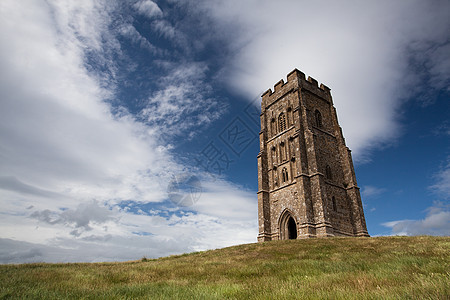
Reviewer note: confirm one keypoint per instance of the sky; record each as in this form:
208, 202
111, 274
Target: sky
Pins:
129, 129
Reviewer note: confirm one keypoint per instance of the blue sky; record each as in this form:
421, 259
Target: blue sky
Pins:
130, 128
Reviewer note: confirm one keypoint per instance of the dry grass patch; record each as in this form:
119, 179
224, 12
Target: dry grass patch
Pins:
342, 268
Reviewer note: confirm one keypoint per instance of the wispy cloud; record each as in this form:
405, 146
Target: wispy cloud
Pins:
148, 8
436, 222
443, 129
442, 178
184, 101
129, 31
370, 191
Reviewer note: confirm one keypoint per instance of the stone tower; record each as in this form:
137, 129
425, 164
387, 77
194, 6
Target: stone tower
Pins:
306, 180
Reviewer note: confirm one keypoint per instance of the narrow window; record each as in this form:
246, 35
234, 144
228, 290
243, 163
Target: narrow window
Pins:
274, 156
285, 175
275, 176
334, 203
328, 173
282, 122
273, 126
318, 117
289, 119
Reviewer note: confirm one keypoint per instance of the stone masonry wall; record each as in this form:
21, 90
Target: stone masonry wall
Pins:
305, 170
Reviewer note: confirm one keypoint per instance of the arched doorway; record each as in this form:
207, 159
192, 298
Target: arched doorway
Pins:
288, 227
292, 229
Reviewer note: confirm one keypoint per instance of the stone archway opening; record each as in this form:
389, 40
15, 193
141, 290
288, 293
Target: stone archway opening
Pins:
292, 229
288, 226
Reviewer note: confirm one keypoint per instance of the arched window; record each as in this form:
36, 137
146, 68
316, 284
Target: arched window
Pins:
285, 175
328, 173
334, 203
318, 117
282, 122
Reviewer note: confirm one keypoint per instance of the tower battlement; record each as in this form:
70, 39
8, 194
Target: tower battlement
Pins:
295, 79
306, 180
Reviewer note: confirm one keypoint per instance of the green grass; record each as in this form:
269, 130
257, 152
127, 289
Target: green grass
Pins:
333, 268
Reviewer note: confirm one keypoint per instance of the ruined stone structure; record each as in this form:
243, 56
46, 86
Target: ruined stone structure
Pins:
306, 180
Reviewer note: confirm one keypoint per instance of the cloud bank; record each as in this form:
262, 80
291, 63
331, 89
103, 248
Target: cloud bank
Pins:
372, 55
71, 154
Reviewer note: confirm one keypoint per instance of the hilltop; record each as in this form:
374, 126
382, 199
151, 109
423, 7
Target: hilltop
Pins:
345, 268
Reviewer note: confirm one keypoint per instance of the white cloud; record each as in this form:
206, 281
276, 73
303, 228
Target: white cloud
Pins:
184, 102
57, 136
165, 28
82, 218
442, 178
148, 8
60, 144
223, 216
163, 237
437, 222
369, 191
67, 161
224, 200
360, 50
130, 32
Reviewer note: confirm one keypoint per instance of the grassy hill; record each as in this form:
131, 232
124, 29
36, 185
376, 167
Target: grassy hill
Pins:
342, 268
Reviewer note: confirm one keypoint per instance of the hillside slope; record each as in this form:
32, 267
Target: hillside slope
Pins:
344, 268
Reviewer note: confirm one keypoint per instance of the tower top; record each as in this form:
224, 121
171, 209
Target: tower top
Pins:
295, 79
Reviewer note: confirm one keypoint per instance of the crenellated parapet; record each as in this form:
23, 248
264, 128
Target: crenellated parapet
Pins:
295, 80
